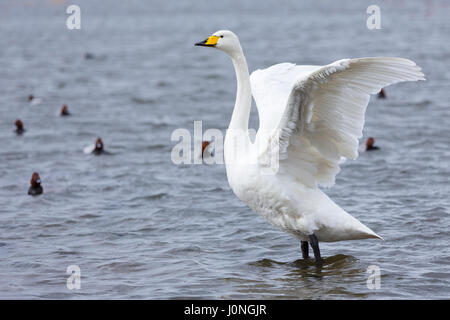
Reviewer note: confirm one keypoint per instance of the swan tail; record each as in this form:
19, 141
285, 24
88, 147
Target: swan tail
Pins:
361, 231
346, 227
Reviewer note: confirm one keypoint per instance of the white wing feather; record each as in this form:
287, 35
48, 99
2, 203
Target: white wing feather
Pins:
319, 111
271, 88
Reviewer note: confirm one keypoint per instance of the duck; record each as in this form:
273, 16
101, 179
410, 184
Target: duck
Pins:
205, 145
35, 188
370, 144
89, 56
19, 127
97, 148
65, 111
310, 120
33, 100
381, 94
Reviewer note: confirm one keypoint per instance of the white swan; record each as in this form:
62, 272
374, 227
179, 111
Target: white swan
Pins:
310, 119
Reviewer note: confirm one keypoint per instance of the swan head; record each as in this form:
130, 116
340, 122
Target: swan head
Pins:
224, 40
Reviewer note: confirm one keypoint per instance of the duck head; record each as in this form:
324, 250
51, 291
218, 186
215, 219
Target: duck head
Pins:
35, 180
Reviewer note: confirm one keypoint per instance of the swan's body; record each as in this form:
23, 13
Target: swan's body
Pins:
310, 120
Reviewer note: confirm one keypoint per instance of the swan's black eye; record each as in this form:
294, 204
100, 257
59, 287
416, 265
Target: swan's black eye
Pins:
221, 36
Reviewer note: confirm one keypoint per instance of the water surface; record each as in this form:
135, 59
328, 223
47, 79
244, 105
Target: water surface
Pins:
139, 226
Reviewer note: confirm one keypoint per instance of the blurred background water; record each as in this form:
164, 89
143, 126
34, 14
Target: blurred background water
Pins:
139, 226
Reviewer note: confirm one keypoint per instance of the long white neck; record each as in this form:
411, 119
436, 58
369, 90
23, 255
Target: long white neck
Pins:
241, 112
237, 140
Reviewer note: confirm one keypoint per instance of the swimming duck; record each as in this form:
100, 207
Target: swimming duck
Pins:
370, 144
205, 144
33, 100
65, 111
89, 56
35, 188
19, 127
98, 146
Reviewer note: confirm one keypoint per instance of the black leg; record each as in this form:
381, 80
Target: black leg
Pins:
315, 246
305, 249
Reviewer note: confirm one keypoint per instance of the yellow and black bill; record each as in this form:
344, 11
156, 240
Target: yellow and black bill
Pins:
210, 42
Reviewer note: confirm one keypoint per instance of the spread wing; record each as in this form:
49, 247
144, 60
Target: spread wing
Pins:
314, 116
271, 88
